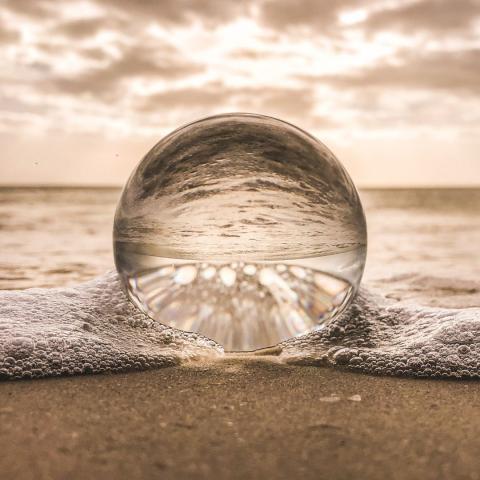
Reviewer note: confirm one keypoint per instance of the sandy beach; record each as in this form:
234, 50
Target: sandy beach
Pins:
239, 419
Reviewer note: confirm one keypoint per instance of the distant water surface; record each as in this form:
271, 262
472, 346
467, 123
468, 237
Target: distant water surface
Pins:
55, 236
423, 243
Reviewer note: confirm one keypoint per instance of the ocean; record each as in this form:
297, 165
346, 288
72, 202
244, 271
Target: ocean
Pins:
422, 243
422, 262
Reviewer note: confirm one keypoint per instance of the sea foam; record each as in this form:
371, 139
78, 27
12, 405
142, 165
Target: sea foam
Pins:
93, 328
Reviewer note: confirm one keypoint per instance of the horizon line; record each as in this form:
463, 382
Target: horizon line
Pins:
118, 186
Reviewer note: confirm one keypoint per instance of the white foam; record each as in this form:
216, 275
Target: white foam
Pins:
89, 328
93, 328
394, 338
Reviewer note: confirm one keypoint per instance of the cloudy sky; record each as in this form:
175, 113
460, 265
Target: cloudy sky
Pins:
392, 87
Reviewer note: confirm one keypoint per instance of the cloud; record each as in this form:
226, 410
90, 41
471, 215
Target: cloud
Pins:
434, 16
457, 72
322, 18
138, 62
138, 67
287, 14
167, 12
204, 97
285, 102
38, 9
87, 27
8, 36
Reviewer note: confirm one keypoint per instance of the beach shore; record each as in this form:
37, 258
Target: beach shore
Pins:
239, 418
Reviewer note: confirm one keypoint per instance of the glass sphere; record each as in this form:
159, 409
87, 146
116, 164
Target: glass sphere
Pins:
242, 228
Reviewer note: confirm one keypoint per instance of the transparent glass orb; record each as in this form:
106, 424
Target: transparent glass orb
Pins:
242, 228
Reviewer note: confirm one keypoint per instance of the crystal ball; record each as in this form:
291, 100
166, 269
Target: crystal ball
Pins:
243, 228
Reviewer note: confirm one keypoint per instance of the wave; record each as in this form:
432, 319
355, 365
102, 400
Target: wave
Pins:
93, 328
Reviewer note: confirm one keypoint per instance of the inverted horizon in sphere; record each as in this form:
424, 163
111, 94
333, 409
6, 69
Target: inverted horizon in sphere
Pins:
240, 188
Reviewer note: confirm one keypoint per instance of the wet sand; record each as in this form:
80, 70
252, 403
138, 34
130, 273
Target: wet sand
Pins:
239, 419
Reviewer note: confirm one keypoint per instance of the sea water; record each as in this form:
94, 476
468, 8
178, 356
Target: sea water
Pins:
423, 265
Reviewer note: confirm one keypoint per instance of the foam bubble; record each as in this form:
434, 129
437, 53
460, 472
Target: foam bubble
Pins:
394, 338
93, 328
90, 328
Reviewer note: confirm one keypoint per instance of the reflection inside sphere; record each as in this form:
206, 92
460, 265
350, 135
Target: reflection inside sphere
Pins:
243, 228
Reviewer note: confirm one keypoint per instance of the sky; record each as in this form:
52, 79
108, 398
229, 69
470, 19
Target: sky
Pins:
88, 87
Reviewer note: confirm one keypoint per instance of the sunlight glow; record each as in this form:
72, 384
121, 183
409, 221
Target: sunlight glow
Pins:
131, 71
